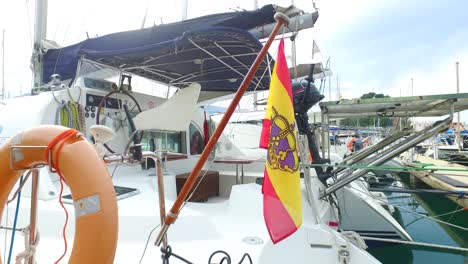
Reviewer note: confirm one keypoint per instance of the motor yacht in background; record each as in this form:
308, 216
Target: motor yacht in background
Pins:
359, 211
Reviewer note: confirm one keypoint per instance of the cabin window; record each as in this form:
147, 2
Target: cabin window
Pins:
162, 140
197, 142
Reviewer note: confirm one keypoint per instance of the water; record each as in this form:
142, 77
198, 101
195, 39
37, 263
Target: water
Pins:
426, 230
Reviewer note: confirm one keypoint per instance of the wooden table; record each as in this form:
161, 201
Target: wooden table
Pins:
238, 161
207, 186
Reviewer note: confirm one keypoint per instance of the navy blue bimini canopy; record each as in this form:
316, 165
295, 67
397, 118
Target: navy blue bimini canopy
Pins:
214, 50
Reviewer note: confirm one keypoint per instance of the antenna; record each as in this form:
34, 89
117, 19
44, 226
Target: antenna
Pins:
144, 17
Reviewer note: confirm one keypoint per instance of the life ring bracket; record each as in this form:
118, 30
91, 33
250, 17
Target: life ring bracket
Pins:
16, 156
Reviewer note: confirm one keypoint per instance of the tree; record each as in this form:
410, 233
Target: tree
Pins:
368, 121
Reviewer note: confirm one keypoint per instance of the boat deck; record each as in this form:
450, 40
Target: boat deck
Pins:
455, 181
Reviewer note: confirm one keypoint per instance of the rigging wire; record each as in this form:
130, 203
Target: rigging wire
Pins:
420, 244
211, 162
147, 242
115, 168
452, 213
409, 211
15, 221
390, 168
6, 230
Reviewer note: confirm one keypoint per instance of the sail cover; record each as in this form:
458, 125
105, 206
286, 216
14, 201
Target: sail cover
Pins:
215, 51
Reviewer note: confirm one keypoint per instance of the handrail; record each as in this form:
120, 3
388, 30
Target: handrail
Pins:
391, 153
372, 149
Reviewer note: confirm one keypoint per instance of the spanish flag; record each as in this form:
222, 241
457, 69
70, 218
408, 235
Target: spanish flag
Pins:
282, 208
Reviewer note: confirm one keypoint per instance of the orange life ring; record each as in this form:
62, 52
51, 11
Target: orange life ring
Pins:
86, 174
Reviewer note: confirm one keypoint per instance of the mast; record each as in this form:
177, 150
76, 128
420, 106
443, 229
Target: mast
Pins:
3, 65
184, 9
338, 91
412, 86
255, 94
329, 81
40, 31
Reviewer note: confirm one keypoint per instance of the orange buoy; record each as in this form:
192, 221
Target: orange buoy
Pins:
86, 174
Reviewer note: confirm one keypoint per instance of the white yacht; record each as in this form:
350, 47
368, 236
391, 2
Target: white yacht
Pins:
196, 59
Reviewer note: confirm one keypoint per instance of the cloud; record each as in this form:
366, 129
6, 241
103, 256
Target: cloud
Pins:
382, 46
439, 79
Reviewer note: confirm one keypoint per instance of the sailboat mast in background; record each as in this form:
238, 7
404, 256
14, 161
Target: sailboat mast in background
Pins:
255, 94
40, 31
184, 9
3, 65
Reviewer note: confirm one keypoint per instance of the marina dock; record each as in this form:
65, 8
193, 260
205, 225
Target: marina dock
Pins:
453, 181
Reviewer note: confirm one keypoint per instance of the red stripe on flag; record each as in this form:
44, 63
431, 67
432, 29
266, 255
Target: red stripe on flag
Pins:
265, 136
279, 224
282, 70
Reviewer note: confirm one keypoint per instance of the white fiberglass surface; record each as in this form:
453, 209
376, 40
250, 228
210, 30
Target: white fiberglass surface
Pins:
201, 229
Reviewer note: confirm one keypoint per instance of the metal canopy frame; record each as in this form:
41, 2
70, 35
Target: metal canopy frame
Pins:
222, 60
391, 152
413, 106
410, 106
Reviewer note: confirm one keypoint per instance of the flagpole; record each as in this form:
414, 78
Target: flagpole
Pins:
190, 182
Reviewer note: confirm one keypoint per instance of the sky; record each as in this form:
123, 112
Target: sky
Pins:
373, 45
390, 42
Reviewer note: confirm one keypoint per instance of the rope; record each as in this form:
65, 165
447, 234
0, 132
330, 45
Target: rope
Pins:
59, 142
167, 253
75, 116
82, 118
77, 110
355, 238
409, 211
58, 113
65, 116
412, 243
29, 249
342, 248
70, 114
227, 258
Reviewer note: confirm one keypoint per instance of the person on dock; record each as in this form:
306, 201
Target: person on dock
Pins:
355, 143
